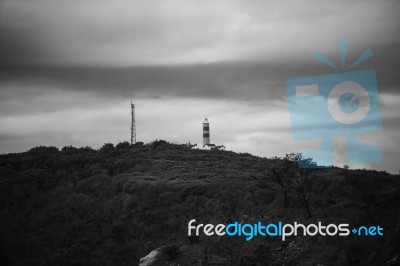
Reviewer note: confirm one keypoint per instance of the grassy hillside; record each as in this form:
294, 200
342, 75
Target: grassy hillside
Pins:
115, 205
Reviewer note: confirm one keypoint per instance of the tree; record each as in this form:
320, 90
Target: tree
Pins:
300, 182
123, 145
278, 173
292, 179
301, 188
281, 171
43, 150
107, 147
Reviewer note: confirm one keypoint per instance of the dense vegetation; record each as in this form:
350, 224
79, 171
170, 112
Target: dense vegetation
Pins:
112, 206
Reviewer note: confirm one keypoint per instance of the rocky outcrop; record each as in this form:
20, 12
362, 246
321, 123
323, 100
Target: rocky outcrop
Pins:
153, 258
164, 255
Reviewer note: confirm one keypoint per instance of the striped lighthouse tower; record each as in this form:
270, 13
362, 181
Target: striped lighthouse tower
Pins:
206, 132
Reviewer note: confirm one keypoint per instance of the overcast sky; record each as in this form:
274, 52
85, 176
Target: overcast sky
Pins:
69, 69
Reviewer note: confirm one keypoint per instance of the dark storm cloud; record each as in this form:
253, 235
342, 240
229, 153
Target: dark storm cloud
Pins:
226, 80
219, 80
126, 33
138, 49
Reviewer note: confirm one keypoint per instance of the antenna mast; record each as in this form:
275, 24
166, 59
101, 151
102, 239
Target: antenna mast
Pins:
133, 125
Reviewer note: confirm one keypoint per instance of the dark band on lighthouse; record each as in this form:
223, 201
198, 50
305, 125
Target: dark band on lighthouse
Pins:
206, 132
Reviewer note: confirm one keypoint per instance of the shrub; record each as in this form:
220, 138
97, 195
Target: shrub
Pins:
107, 147
123, 145
44, 150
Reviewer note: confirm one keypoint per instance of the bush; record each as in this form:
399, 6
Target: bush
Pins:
107, 147
123, 145
44, 150
158, 143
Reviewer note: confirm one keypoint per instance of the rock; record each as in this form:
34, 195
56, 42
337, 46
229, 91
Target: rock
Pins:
163, 255
152, 258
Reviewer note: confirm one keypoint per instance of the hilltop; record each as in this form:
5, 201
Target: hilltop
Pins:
112, 206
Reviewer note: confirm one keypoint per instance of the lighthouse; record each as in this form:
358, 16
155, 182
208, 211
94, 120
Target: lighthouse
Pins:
206, 132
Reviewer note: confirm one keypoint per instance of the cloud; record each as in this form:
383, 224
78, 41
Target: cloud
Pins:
221, 80
131, 33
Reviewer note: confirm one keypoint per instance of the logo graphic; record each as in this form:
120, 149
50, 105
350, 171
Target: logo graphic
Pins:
344, 104
279, 229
